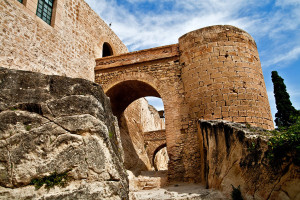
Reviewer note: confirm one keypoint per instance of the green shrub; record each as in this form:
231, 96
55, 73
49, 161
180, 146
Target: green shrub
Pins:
51, 181
110, 134
286, 142
28, 127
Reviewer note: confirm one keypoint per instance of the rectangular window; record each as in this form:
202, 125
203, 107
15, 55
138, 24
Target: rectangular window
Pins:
21, 1
44, 10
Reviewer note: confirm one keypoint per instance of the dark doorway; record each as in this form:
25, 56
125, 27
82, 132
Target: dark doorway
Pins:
107, 50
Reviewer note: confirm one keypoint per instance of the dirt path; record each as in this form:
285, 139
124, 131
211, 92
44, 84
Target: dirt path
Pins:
183, 191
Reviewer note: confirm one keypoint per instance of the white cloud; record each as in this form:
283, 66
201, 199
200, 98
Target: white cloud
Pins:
284, 57
287, 3
140, 30
276, 25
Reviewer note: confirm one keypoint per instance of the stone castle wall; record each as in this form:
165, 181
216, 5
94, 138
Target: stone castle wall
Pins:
68, 47
222, 76
212, 73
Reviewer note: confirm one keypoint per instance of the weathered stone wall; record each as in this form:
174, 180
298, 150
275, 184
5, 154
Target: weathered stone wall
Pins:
150, 118
222, 76
54, 124
152, 75
154, 141
68, 47
233, 154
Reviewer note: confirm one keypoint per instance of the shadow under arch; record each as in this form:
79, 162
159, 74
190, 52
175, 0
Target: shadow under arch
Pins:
154, 154
124, 93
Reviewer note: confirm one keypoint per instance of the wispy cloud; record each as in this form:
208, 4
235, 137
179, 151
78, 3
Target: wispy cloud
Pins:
285, 57
140, 28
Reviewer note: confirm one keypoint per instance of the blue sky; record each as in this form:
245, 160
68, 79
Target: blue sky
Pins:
275, 26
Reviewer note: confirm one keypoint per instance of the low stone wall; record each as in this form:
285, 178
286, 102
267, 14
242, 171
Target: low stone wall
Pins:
233, 154
53, 125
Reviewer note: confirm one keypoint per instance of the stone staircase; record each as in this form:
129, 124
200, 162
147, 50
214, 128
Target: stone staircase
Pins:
148, 180
152, 185
152, 179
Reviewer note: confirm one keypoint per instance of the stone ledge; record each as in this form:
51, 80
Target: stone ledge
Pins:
152, 54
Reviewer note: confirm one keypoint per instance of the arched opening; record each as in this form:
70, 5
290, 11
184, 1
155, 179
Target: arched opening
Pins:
106, 50
124, 93
138, 122
160, 158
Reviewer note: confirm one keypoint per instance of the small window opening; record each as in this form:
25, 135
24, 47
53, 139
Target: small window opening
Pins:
21, 1
107, 50
44, 10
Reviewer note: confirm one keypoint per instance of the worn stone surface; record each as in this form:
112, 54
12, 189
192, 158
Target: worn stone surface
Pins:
68, 47
56, 124
147, 180
233, 154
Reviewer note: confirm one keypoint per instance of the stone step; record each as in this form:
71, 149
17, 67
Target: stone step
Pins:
183, 191
148, 180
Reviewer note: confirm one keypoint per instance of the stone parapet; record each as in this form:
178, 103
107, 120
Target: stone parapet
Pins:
136, 57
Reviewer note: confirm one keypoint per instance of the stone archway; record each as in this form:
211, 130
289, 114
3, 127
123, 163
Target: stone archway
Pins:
159, 69
155, 152
124, 88
124, 93
154, 140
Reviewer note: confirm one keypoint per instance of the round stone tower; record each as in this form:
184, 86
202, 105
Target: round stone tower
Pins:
222, 76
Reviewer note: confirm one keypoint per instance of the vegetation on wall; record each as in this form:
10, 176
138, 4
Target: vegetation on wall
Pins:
54, 179
285, 140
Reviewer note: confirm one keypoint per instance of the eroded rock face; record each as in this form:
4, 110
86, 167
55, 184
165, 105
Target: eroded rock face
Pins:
233, 154
56, 124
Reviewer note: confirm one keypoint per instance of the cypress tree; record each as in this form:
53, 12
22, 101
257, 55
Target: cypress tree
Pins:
284, 106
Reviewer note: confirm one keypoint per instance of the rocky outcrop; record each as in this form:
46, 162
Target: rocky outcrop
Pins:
51, 126
236, 154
